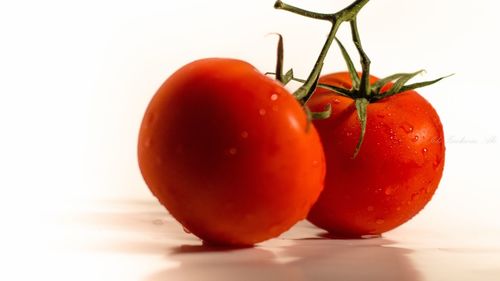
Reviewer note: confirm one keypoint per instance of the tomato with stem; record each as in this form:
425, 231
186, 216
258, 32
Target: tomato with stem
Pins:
396, 171
231, 153
384, 145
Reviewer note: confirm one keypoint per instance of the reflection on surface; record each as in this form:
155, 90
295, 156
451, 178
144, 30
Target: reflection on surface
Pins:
300, 254
320, 259
126, 238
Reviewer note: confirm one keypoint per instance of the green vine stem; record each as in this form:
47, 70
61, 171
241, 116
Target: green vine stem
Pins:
362, 91
364, 87
349, 13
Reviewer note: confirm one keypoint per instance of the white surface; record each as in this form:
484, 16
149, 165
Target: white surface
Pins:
136, 240
75, 78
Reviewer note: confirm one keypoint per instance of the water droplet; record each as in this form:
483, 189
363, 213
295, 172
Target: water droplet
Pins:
274, 97
348, 134
158, 160
414, 196
336, 101
244, 134
233, 151
415, 139
388, 191
262, 112
407, 128
436, 163
424, 151
149, 120
370, 208
379, 221
147, 142
186, 230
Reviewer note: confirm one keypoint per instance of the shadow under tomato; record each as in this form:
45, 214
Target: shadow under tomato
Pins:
301, 254
302, 259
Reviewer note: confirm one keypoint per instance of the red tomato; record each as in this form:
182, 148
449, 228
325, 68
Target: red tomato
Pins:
398, 167
225, 149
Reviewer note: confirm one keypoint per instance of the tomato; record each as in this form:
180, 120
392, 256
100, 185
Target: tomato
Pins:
397, 170
229, 153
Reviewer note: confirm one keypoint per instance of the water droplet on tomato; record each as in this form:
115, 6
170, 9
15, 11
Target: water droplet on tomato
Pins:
149, 120
262, 112
424, 151
370, 208
336, 101
407, 128
186, 230
147, 142
415, 139
348, 134
414, 196
436, 163
233, 151
379, 221
274, 97
158, 160
244, 134
388, 191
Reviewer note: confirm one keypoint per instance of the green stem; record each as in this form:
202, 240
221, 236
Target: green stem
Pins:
349, 13
364, 88
283, 6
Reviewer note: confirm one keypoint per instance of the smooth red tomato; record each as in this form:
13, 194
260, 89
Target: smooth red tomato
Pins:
398, 167
225, 149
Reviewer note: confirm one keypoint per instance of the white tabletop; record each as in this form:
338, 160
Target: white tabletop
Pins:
138, 240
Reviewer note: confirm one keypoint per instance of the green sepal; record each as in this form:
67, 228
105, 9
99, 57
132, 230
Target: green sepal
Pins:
421, 84
400, 83
279, 60
288, 76
338, 90
321, 115
377, 86
350, 66
361, 109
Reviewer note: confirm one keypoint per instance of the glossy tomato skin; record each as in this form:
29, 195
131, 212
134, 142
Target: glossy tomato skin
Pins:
396, 171
225, 149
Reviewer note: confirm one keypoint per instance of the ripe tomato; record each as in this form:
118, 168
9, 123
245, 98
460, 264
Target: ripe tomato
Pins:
398, 167
226, 150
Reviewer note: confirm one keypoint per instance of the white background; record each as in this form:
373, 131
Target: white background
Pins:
76, 76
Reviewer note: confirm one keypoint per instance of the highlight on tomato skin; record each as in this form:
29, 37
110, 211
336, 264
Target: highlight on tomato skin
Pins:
396, 172
226, 150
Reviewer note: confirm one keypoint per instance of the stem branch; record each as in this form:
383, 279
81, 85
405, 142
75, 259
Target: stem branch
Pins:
349, 13
364, 88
